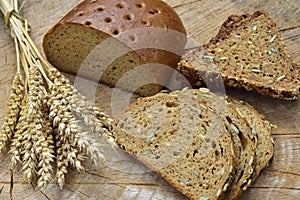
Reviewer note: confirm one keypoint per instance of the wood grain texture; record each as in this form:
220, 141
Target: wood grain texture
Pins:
122, 177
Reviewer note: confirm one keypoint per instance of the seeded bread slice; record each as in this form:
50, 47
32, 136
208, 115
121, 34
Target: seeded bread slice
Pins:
181, 137
261, 132
245, 152
247, 52
243, 143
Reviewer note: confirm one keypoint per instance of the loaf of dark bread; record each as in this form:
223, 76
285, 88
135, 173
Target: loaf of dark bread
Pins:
131, 44
248, 52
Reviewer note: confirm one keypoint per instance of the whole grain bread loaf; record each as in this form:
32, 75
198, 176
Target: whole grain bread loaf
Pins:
131, 44
248, 52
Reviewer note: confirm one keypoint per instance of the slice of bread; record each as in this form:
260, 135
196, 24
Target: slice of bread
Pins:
248, 52
243, 142
124, 43
261, 132
245, 151
181, 137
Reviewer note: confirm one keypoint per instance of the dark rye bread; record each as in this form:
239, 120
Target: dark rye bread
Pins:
248, 52
244, 152
261, 132
243, 143
181, 137
111, 41
244, 161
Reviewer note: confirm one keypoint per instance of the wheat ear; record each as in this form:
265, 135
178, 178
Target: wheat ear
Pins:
46, 157
65, 131
12, 110
98, 122
34, 133
16, 145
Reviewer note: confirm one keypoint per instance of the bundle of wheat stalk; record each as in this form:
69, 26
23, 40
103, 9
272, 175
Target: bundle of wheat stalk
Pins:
49, 126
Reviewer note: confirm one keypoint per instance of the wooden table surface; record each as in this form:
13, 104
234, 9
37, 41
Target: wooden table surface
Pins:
122, 177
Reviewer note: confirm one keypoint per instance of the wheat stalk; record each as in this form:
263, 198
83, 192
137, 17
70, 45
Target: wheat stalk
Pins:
47, 121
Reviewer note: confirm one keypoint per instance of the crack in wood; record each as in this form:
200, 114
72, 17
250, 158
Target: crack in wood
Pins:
281, 192
291, 135
80, 192
1, 189
11, 184
295, 55
285, 172
118, 184
185, 4
293, 37
95, 174
148, 184
295, 149
45, 195
289, 28
283, 188
121, 185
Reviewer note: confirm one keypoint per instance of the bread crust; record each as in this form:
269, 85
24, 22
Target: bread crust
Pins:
140, 25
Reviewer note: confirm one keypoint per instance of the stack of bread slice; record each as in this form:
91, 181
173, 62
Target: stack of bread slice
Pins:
206, 145
248, 52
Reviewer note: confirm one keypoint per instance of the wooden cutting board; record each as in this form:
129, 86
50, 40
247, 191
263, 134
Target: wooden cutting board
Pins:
122, 177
